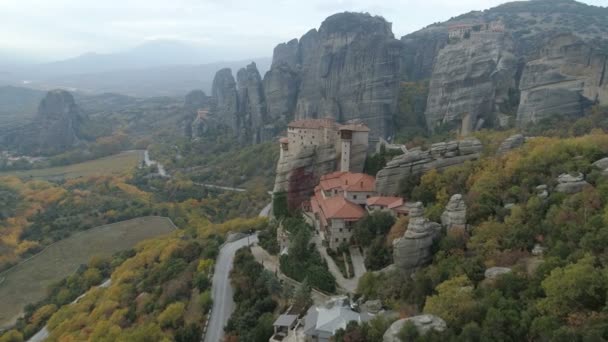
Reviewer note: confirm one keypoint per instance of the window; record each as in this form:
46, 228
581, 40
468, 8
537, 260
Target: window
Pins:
367, 196
340, 230
337, 239
344, 239
354, 196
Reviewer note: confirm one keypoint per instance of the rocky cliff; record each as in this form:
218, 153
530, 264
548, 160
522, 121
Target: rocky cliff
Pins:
416, 162
58, 120
252, 104
225, 99
194, 125
471, 79
568, 77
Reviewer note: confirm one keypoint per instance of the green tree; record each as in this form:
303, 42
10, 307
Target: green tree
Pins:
172, 315
453, 302
577, 286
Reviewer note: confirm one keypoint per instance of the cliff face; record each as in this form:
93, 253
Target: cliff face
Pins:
56, 125
568, 76
470, 80
226, 99
350, 70
252, 104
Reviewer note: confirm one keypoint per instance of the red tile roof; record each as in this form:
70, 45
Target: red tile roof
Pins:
313, 123
284, 140
382, 201
347, 181
336, 207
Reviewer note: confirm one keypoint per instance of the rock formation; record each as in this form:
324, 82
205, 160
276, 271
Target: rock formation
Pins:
571, 184
350, 70
416, 162
299, 173
413, 249
55, 127
281, 84
542, 191
195, 100
495, 272
511, 143
568, 77
423, 323
455, 214
601, 164
252, 104
470, 81
226, 99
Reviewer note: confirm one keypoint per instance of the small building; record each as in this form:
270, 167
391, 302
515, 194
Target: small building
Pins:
355, 187
335, 218
283, 327
394, 205
321, 323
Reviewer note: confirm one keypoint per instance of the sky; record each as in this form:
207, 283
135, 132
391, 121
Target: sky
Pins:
56, 29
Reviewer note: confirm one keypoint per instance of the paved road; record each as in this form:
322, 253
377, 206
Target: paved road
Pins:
223, 304
150, 162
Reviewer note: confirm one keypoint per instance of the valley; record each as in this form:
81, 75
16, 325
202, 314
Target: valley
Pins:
450, 184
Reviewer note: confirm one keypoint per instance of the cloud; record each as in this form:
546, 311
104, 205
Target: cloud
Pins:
62, 28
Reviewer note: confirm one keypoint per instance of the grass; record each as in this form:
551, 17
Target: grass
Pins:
115, 164
27, 282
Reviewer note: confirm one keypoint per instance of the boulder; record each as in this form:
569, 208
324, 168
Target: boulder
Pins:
571, 184
423, 323
542, 191
538, 250
495, 272
455, 214
413, 249
373, 306
601, 164
511, 143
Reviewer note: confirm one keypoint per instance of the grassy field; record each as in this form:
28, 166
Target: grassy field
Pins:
27, 282
115, 164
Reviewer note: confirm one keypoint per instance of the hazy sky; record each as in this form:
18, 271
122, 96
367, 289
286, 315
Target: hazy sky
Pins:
53, 29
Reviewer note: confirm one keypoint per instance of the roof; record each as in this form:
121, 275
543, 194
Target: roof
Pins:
285, 320
354, 127
284, 140
336, 207
313, 123
324, 322
384, 201
348, 181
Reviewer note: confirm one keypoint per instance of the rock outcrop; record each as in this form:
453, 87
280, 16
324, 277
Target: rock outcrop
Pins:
568, 77
252, 104
413, 249
495, 272
417, 161
56, 125
299, 173
455, 214
193, 124
423, 323
571, 184
226, 99
511, 143
470, 81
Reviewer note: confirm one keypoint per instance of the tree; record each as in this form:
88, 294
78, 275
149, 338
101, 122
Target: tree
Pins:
577, 286
453, 302
172, 315
378, 255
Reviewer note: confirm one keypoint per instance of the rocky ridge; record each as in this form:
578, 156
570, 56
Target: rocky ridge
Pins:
416, 162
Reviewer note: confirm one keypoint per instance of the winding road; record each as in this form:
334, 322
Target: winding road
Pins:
223, 304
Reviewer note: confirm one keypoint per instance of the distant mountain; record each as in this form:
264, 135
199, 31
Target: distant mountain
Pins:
150, 54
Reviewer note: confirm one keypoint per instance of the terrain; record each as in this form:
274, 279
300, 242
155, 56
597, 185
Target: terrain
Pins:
28, 281
112, 165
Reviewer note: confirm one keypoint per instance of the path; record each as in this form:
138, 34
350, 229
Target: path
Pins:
271, 263
266, 210
348, 285
150, 162
358, 261
223, 303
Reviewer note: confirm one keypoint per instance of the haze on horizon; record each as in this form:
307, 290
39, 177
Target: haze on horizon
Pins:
42, 30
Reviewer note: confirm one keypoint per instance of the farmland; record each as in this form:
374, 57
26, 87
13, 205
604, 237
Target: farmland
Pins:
111, 165
27, 282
